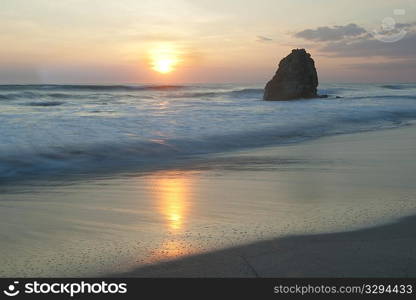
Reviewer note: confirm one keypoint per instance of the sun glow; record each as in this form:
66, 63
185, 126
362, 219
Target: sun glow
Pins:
164, 58
173, 194
164, 65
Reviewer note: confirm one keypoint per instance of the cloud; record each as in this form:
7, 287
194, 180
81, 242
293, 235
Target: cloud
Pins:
334, 33
263, 39
368, 46
354, 41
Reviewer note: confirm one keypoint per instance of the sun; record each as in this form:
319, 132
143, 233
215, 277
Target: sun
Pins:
164, 65
164, 58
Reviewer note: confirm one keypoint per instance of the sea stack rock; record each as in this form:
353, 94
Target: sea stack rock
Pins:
295, 78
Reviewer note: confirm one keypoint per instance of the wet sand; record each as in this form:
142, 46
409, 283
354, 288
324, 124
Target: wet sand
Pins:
383, 251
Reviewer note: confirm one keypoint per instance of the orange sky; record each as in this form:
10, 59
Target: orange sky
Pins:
178, 41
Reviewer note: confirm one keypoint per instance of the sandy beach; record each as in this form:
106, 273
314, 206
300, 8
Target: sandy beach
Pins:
381, 251
387, 250
314, 208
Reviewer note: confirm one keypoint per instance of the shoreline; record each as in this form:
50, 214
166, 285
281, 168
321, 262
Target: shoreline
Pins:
181, 162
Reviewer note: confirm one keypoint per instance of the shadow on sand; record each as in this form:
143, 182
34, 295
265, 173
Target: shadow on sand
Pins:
382, 251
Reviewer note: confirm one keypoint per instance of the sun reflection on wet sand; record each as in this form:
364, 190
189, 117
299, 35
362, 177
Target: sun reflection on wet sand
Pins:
173, 191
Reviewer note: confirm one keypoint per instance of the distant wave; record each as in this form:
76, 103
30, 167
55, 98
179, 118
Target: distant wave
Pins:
383, 97
398, 86
122, 87
233, 93
60, 95
24, 94
28, 89
20, 94
94, 87
12, 96
45, 103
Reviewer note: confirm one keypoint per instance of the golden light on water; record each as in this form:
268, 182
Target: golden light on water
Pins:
173, 193
164, 58
174, 202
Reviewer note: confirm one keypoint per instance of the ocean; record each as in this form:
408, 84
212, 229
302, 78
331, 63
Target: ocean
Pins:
82, 130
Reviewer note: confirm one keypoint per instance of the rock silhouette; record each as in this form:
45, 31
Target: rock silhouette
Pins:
295, 78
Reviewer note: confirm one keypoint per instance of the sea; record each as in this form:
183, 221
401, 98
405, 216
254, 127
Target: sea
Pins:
85, 130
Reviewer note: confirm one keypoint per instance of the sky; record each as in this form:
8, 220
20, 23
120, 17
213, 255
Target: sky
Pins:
203, 41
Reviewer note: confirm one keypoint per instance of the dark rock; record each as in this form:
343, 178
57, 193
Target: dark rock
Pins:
295, 78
